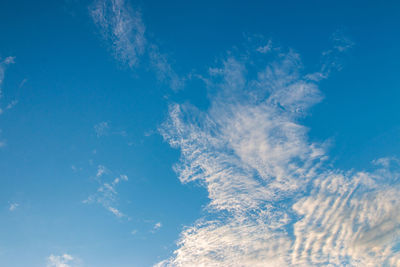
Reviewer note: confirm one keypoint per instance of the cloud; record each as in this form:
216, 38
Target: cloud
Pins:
64, 260
101, 170
13, 206
332, 58
273, 199
3, 65
265, 48
12, 104
122, 27
106, 194
348, 220
163, 69
101, 128
156, 227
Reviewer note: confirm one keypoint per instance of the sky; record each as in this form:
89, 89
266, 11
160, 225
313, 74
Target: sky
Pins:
199, 133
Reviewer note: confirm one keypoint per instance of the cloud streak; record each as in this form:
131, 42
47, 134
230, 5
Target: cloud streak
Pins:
3, 65
273, 200
107, 194
123, 27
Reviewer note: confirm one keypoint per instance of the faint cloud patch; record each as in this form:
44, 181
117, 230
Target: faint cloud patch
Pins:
101, 128
107, 194
164, 71
265, 48
123, 27
3, 65
64, 260
101, 170
13, 206
157, 226
332, 58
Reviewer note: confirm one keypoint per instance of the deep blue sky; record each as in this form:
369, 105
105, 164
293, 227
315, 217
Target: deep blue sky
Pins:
66, 80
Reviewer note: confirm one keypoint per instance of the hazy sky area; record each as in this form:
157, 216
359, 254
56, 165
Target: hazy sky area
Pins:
199, 133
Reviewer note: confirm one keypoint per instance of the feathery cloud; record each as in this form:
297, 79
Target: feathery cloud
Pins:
273, 202
122, 27
64, 260
106, 194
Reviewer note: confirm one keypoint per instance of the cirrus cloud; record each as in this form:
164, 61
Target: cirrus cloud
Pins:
273, 200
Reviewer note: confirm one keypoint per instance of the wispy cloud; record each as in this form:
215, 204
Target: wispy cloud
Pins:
273, 200
101, 170
123, 27
104, 129
265, 48
331, 59
101, 128
107, 194
3, 65
163, 69
13, 206
64, 260
156, 227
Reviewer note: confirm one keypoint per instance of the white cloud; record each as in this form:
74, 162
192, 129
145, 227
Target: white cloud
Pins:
101, 170
64, 260
157, 227
106, 194
348, 220
273, 202
123, 27
3, 66
331, 58
116, 212
164, 70
101, 128
13, 206
265, 48
12, 104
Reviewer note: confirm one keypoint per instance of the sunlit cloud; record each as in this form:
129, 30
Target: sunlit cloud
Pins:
273, 200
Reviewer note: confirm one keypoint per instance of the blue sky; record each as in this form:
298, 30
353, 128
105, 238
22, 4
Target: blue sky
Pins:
199, 133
